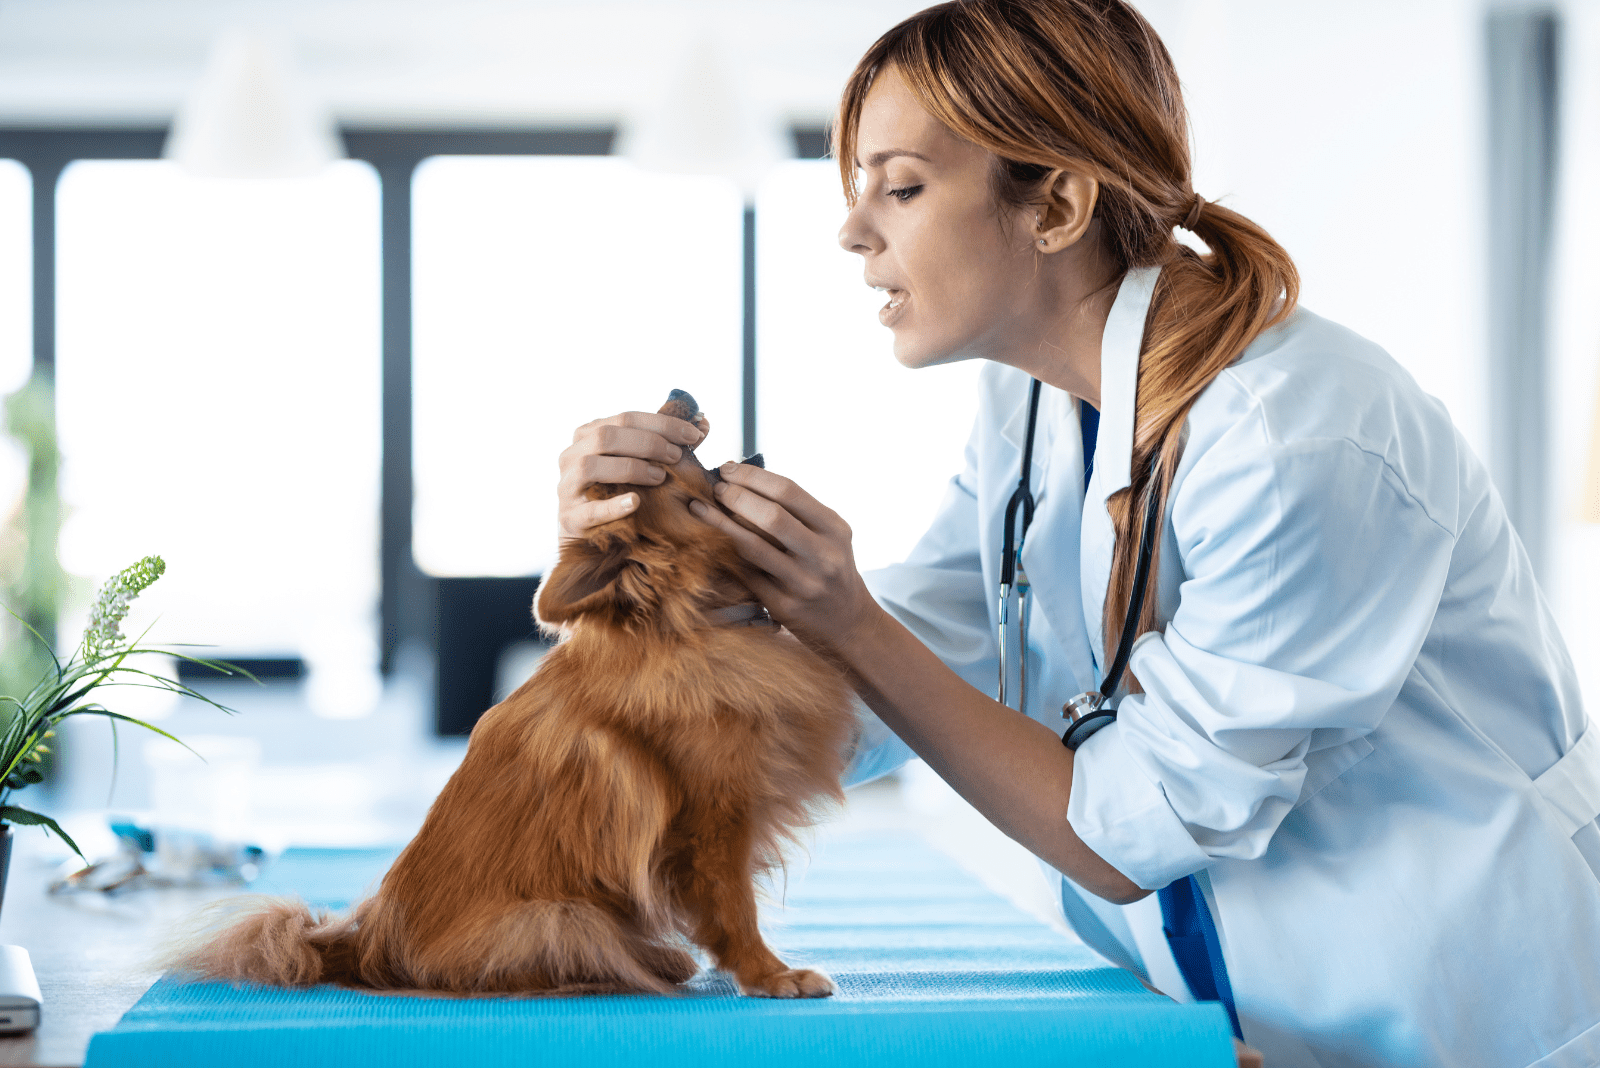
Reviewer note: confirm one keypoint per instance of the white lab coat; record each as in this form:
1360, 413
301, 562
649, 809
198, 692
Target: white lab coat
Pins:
1359, 721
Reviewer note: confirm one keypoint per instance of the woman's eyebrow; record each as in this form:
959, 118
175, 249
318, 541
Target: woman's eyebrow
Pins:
878, 159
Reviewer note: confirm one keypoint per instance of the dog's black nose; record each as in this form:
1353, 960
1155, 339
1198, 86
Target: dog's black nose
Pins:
684, 397
755, 460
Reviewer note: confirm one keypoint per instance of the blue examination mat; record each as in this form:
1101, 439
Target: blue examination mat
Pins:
932, 968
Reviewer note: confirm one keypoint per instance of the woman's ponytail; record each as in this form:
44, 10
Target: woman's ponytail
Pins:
1205, 310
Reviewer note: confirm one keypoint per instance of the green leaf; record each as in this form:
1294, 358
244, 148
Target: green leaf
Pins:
17, 754
35, 819
106, 712
73, 698
28, 775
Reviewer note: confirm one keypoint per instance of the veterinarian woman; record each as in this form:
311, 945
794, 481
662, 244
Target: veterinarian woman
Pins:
1348, 714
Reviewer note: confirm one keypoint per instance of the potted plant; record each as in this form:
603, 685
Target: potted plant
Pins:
74, 688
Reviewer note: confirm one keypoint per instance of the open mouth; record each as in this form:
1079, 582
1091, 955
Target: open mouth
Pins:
890, 312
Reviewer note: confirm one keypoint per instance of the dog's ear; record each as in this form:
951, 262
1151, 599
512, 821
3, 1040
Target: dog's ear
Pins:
583, 580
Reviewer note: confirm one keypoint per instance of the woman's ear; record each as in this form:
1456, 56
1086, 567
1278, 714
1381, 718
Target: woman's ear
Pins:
1065, 211
583, 580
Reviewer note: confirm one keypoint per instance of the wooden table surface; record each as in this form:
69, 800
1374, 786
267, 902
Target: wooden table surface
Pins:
91, 952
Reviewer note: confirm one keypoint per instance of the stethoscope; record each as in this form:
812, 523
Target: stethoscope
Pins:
1090, 711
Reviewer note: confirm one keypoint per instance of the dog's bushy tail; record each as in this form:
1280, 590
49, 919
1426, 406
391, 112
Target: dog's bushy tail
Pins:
269, 940
535, 947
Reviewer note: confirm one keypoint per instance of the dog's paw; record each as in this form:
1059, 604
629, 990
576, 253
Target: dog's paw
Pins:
789, 983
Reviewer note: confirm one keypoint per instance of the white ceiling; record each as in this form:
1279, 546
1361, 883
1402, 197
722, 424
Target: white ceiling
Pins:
427, 61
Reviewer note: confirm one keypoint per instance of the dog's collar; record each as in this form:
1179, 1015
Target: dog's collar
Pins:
739, 615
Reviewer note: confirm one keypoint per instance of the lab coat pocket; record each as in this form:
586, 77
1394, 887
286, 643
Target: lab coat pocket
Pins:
1325, 765
1570, 794
1572, 786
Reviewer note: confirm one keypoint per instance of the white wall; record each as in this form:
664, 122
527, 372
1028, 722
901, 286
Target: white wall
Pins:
430, 61
1354, 133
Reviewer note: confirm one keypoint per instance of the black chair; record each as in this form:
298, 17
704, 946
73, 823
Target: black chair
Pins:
479, 619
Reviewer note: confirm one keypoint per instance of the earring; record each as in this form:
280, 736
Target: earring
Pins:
1042, 241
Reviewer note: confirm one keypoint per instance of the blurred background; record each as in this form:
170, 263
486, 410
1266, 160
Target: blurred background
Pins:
307, 295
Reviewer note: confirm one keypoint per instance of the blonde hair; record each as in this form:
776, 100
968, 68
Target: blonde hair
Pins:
1087, 86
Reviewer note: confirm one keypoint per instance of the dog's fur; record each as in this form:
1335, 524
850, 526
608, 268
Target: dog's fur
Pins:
622, 800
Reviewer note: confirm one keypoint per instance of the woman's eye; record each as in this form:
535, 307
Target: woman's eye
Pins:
905, 193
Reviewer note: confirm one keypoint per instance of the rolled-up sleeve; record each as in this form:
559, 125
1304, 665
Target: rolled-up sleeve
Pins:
1310, 578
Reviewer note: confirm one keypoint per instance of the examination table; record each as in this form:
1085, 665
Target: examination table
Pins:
932, 969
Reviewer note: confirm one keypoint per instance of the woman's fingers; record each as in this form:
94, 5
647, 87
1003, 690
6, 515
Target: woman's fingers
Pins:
788, 494
609, 439
813, 561
630, 448
585, 471
752, 546
765, 513
663, 426
589, 514
809, 581
651, 439
822, 547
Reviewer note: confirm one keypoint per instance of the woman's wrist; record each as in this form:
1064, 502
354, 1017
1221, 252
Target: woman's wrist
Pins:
851, 636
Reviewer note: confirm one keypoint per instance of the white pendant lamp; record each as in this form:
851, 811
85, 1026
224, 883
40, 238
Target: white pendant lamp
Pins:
704, 121
251, 116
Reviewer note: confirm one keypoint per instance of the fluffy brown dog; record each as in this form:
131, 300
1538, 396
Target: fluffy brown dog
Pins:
624, 799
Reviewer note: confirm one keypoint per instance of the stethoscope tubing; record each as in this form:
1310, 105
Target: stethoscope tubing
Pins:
1098, 714
1092, 709
1011, 554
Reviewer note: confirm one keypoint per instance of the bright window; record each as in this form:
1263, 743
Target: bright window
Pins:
551, 291
871, 440
218, 377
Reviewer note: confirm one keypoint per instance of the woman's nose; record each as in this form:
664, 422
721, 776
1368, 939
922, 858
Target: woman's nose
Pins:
856, 235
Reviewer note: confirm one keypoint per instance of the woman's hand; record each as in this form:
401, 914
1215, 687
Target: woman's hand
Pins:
811, 584
623, 449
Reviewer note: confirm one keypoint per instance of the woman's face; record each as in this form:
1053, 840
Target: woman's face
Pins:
959, 271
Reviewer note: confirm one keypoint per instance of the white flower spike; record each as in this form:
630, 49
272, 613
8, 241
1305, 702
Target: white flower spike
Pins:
104, 633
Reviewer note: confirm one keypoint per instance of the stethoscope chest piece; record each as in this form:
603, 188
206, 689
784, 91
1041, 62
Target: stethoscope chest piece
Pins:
1087, 714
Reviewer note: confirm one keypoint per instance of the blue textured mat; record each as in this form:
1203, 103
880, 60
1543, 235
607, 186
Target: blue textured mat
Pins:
932, 969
